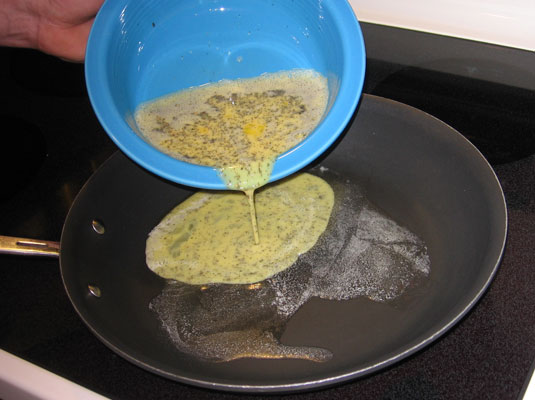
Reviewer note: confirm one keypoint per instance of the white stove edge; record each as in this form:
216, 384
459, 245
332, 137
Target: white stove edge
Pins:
21, 380
529, 393
508, 23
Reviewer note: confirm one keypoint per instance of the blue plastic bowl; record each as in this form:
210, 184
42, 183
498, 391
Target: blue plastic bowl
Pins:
142, 49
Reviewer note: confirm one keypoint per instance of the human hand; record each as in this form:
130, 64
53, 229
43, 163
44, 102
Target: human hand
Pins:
57, 27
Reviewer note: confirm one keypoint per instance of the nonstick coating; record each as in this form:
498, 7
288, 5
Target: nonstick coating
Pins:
420, 171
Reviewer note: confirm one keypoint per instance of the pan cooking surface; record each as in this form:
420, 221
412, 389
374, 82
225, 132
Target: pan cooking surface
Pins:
418, 170
362, 253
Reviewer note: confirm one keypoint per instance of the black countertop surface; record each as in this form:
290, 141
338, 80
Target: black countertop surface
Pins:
52, 143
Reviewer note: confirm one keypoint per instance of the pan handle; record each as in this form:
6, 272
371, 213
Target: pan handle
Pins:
29, 247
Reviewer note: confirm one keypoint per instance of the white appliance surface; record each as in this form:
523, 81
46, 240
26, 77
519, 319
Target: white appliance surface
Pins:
21, 380
503, 22
529, 394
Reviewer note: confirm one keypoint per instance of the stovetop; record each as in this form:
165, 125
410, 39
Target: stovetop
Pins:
56, 142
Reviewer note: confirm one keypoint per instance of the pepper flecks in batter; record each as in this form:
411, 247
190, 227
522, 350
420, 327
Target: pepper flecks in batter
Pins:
239, 127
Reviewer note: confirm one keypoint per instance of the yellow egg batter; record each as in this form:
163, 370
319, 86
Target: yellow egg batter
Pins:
207, 238
237, 126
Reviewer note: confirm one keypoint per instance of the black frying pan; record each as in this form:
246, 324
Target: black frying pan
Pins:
421, 172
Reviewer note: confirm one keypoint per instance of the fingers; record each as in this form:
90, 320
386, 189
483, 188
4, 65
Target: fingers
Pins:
67, 43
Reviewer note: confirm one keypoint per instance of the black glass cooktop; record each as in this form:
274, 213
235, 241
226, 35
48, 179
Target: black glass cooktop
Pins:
52, 143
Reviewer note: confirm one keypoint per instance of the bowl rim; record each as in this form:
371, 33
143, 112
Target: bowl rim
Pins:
165, 166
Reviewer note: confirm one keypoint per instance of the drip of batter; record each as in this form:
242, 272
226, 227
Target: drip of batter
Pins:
252, 210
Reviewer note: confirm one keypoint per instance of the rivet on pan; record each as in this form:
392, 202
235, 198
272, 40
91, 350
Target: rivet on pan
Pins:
98, 226
94, 290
